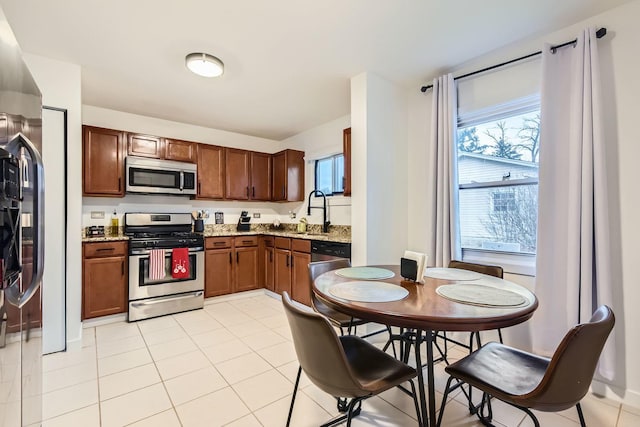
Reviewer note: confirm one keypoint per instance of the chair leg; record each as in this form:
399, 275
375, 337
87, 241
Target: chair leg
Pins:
444, 401
293, 398
353, 413
415, 402
500, 336
580, 415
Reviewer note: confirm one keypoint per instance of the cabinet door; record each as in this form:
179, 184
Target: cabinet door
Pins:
181, 151
282, 271
145, 146
346, 150
237, 174
102, 162
104, 286
246, 269
278, 187
210, 172
218, 279
268, 268
260, 176
288, 176
300, 283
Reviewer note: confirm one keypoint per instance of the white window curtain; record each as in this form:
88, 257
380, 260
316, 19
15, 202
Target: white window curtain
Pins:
573, 264
445, 244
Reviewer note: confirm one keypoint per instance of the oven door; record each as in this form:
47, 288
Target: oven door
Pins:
141, 286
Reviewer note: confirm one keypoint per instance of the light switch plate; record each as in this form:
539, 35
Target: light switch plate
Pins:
256, 214
97, 214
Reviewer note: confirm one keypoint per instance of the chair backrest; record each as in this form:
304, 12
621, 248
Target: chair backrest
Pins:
569, 374
489, 270
320, 353
319, 267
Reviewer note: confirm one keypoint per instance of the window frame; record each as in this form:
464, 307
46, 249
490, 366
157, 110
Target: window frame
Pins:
334, 178
521, 263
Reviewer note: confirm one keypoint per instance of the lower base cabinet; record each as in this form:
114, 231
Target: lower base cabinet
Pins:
231, 265
291, 268
104, 279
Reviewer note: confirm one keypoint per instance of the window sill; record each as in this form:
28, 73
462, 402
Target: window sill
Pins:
513, 263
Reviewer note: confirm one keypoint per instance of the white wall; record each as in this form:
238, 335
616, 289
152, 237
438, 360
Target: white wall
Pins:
620, 67
379, 177
60, 84
322, 141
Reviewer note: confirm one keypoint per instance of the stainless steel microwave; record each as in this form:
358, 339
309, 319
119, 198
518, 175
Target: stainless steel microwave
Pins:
156, 176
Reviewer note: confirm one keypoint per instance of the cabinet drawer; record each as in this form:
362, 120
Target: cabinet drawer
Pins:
268, 241
283, 243
105, 249
218, 242
246, 241
301, 245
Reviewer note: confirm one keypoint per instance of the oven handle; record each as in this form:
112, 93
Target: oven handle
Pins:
160, 300
146, 252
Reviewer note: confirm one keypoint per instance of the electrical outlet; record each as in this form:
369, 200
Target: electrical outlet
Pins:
256, 214
97, 214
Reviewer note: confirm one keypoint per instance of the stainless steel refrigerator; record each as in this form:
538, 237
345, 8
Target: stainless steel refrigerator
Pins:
22, 243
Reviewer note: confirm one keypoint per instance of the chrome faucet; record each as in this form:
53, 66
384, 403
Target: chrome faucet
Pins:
325, 223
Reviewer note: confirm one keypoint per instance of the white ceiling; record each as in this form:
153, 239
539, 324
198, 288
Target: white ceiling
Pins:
288, 62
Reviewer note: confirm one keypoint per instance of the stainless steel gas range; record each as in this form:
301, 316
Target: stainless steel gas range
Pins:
166, 264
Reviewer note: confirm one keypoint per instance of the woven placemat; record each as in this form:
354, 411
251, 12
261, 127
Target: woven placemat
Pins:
365, 291
486, 296
365, 273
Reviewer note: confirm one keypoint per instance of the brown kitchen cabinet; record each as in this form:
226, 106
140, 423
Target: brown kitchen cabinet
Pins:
260, 176
346, 150
102, 162
237, 174
288, 176
180, 151
145, 146
104, 279
268, 263
210, 160
291, 268
231, 265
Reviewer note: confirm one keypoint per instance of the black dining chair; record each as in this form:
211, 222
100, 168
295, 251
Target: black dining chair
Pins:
489, 270
344, 366
527, 381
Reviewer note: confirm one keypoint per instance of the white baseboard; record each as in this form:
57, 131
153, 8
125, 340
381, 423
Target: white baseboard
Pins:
624, 396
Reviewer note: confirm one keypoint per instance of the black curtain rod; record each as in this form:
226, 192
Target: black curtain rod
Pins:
599, 34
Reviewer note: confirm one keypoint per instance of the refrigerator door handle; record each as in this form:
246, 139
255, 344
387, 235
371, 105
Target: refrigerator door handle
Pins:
13, 294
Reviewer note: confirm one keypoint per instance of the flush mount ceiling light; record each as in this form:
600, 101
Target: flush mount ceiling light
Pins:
204, 64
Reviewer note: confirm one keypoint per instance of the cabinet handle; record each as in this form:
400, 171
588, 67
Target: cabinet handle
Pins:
237, 257
122, 267
247, 242
247, 192
105, 249
218, 243
230, 259
287, 260
119, 184
271, 256
253, 191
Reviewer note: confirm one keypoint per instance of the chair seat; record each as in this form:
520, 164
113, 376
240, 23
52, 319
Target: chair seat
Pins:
502, 371
336, 318
375, 370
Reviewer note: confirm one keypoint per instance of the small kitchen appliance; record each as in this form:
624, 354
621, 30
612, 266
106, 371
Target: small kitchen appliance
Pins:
243, 222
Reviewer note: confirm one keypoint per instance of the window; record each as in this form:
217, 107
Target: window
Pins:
329, 176
498, 152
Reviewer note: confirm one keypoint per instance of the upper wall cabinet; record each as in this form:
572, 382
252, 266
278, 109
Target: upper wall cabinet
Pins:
346, 150
237, 174
288, 176
260, 176
182, 151
102, 162
210, 159
145, 146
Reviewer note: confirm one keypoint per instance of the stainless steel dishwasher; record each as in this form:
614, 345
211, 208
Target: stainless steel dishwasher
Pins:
322, 250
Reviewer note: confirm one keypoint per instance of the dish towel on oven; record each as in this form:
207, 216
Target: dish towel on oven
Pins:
156, 264
180, 263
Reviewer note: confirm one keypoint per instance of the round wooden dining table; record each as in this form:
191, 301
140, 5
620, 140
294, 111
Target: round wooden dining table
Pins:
424, 310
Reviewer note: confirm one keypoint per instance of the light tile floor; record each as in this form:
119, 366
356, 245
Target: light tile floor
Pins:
232, 364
